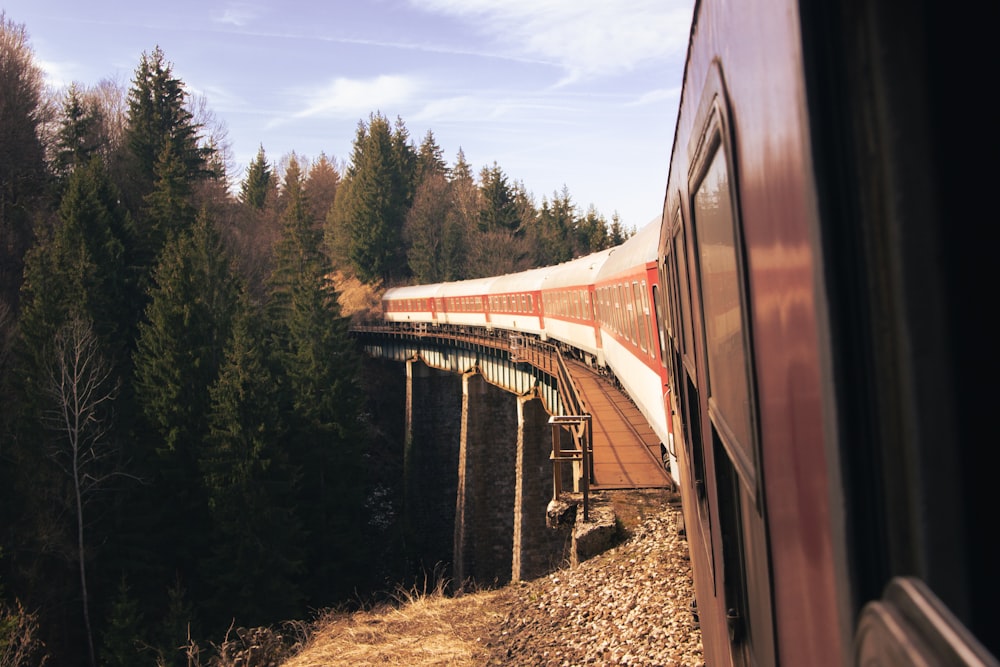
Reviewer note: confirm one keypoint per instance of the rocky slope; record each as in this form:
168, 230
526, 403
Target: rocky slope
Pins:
626, 606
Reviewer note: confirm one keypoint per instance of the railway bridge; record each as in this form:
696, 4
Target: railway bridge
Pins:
505, 440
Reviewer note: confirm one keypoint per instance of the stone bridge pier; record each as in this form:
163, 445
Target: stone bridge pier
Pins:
476, 463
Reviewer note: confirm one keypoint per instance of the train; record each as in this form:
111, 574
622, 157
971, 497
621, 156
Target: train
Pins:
597, 308
806, 319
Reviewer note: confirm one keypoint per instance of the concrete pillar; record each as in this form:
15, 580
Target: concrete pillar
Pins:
537, 549
430, 462
485, 490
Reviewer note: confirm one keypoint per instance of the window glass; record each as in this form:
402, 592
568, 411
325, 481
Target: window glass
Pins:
684, 287
728, 379
641, 316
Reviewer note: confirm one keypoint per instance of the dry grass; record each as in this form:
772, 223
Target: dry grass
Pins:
427, 628
420, 631
357, 300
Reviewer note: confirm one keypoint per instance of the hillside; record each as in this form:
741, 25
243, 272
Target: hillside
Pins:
626, 606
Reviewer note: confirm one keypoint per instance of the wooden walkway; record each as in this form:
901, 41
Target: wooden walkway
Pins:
626, 450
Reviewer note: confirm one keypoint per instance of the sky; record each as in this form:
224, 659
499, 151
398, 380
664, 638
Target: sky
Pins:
580, 94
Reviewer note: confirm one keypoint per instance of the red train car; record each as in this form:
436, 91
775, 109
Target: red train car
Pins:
832, 482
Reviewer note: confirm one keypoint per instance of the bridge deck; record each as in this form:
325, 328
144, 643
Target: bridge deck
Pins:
626, 450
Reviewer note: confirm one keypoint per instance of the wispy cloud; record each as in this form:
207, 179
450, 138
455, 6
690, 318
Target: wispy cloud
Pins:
657, 95
588, 38
57, 74
238, 14
350, 97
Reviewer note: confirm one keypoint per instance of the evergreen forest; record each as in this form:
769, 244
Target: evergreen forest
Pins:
187, 443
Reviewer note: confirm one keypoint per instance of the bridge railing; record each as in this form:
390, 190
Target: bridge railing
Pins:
546, 357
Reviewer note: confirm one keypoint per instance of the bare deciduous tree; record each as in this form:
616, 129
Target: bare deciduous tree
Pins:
19, 642
81, 388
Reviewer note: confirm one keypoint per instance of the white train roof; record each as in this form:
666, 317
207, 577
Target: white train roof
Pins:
412, 291
579, 271
637, 250
605, 264
466, 287
524, 281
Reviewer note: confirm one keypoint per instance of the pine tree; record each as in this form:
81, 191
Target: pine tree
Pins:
553, 231
165, 154
617, 233
297, 252
370, 214
257, 184
169, 209
464, 223
250, 484
122, 640
180, 344
158, 114
498, 243
430, 159
499, 210
592, 232
405, 162
79, 268
78, 138
179, 353
321, 188
318, 372
22, 168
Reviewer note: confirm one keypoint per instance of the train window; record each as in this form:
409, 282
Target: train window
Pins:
684, 287
622, 313
630, 314
640, 320
617, 297
659, 311
633, 298
646, 321
719, 267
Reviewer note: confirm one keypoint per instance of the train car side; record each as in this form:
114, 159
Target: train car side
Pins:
515, 302
568, 298
413, 304
804, 260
